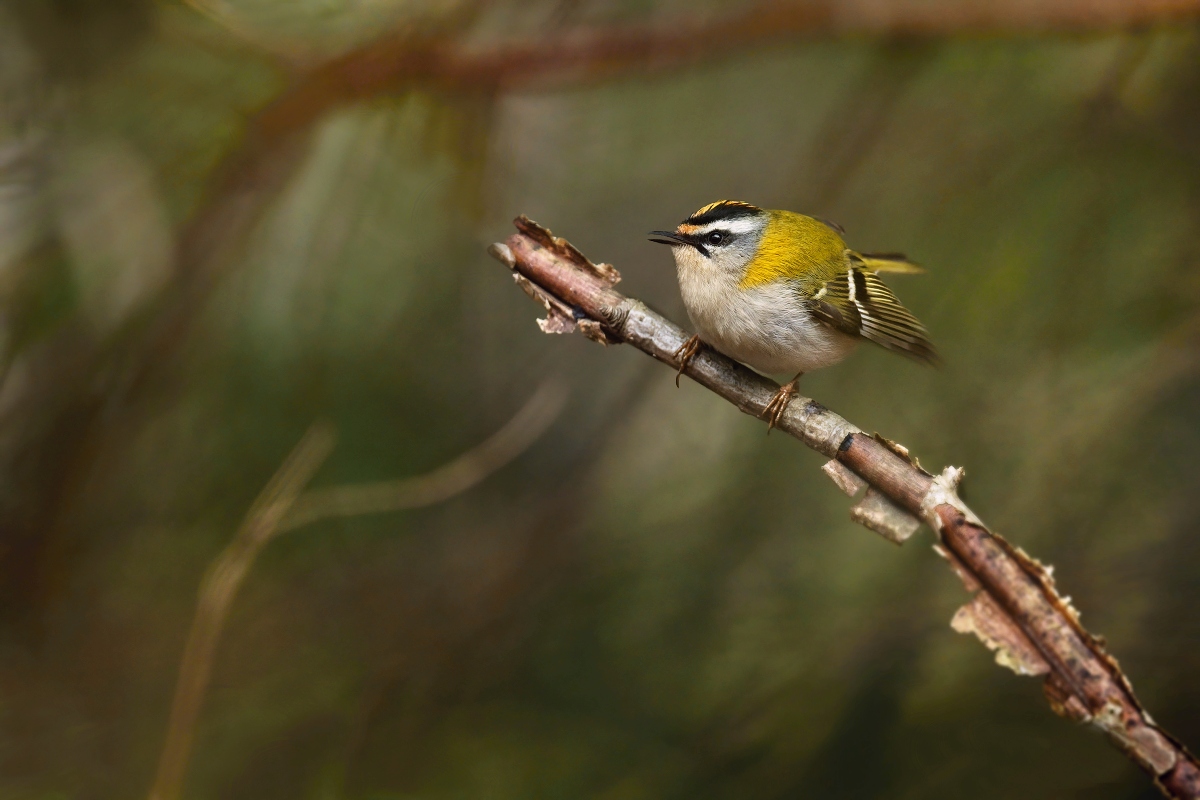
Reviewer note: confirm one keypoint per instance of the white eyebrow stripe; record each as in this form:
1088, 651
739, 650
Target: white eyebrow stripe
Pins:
739, 225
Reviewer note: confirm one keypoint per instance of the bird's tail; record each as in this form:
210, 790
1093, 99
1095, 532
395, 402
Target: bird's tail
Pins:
896, 263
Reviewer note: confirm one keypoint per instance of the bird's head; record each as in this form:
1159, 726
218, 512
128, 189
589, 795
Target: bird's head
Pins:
724, 236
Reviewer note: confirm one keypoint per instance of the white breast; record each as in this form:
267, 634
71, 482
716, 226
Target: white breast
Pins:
766, 327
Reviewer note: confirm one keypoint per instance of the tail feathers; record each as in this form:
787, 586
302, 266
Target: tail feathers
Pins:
896, 263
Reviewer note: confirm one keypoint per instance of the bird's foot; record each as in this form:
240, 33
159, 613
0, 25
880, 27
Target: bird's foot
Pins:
779, 403
686, 352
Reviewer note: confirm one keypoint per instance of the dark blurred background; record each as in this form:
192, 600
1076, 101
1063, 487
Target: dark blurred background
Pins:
223, 220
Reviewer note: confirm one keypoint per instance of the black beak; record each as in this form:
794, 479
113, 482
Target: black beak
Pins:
673, 239
668, 237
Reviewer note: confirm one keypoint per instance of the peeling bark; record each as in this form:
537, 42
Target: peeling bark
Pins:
1016, 610
876, 512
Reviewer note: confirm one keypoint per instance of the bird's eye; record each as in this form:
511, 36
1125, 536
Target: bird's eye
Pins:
716, 237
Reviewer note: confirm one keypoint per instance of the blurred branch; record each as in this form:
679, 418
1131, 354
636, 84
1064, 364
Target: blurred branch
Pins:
394, 62
442, 483
590, 54
225, 15
1016, 610
281, 507
217, 590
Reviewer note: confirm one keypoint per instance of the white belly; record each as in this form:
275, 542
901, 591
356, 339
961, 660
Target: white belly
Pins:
766, 327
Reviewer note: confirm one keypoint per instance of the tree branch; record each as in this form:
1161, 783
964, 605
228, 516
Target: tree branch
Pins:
1016, 609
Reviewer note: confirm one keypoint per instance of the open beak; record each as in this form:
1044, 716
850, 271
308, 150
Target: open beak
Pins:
668, 237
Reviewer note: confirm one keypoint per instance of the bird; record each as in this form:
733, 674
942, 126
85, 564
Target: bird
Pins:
782, 293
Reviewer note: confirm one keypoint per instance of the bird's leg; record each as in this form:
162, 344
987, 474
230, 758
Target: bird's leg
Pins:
686, 352
779, 402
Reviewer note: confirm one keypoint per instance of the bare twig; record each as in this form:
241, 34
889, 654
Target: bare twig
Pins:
281, 507
1016, 609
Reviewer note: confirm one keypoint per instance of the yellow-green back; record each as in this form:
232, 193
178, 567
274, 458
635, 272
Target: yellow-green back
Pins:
798, 248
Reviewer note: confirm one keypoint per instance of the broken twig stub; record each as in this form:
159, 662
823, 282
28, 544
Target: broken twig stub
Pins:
843, 477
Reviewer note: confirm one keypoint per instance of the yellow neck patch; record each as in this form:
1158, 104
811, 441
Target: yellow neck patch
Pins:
796, 248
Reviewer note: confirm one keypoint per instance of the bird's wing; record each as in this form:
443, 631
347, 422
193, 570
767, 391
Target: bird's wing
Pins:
857, 302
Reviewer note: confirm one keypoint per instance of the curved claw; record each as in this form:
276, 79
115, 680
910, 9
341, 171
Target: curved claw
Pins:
779, 403
686, 352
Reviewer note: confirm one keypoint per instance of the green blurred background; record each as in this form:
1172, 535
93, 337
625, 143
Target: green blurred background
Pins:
655, 600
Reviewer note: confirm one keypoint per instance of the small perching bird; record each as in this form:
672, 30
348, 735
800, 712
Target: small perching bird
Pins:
782, 293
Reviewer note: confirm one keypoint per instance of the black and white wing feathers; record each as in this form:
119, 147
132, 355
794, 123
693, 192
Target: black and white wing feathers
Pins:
857, 302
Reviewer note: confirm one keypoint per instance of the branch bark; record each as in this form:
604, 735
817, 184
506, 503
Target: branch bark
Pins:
1016, 609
